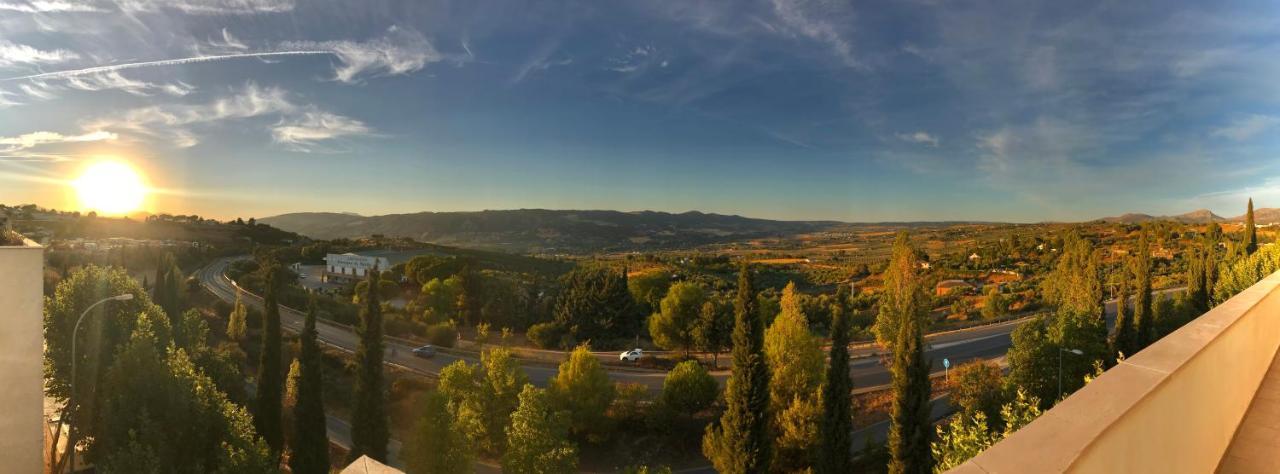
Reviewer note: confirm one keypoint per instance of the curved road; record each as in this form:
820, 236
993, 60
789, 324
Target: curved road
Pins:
983, 342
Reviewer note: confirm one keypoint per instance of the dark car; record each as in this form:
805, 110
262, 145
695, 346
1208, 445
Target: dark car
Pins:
425, 351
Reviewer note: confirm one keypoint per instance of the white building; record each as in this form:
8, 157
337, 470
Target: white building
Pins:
349, 266
21, 363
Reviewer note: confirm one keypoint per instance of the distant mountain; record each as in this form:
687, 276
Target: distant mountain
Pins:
1261, 215
541, 230
1198, 216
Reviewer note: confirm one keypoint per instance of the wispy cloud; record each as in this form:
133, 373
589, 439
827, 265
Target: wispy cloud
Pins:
399, 51
48, 6
34, 139
307, 131
162, 62
300, 127
634, 59
1245, 128
920, 137
209, 7
814, 20
20, 54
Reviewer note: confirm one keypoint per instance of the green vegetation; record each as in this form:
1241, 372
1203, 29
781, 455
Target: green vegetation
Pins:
740, 442
797, 366
310, 447
268, 412
835, 437
595, 305
689, 389
438, 443
538, 437
675, 326
369, 430
909, 428
583, 390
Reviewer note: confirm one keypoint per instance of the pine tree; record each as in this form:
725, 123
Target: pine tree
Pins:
369, 430
1250, 231
837, 417
268, 415
311, 442
1143, 320
1123, 342
909, 428
741, 442
237, 321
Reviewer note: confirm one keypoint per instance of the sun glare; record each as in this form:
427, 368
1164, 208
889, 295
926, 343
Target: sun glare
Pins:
110, 187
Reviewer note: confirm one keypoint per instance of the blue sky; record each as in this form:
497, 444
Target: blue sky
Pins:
866, 111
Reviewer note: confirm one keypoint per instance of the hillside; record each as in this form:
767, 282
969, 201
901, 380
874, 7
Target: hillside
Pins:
540, 230
1198, 216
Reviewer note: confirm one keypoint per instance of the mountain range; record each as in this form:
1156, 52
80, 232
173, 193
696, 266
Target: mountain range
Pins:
1264, 215
586, 231
548, 231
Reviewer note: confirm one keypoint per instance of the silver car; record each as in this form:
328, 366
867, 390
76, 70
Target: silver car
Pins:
425, 352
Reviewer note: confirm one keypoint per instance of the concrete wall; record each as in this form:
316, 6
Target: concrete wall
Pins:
21, 365
1171, 408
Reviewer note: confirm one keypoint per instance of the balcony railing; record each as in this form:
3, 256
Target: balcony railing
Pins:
1173, 407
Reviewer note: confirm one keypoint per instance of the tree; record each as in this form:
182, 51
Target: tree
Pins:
1250, 231
437, 444
1143, 320
594, 303
538, 437
689, 389
582, 388
268, 415
977, 388
740, 443
902, 289
482, 397
796, 366
168, 284
1197, 295
387, 290
909, 427
369, 430
237, 321
103, 332
649, 288
1125, 339
714, 329
970, 433
837, 405
995, 305
310, 440
674, 327
1243, 273
161, 414
1074, 286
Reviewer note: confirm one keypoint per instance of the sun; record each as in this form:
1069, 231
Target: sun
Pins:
110, 187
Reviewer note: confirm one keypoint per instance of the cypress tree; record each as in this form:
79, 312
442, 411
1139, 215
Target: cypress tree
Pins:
909, 423
1197, 292
742, 443
311, 442
1250, 231
1143, 320
837, 421
369, 430
1123, 342
1211, 257
267, 416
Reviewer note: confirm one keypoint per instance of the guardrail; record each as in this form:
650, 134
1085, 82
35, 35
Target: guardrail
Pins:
1171, 408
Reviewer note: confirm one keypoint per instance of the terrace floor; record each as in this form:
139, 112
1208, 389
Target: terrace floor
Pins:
1256, 445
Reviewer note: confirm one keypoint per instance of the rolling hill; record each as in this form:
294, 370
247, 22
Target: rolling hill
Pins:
550, 231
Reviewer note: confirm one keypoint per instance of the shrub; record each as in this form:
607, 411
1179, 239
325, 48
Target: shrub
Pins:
546, 335
689, 389
442, 334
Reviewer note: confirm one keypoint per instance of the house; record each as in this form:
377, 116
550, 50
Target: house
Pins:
946, 287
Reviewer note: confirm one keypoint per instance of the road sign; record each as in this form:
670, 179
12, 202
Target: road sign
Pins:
946, 363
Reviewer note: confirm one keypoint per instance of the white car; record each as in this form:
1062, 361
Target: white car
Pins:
631, 355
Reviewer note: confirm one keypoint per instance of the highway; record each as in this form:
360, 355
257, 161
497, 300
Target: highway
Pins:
960, 346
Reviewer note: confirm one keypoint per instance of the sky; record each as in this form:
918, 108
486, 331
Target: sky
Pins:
858, 111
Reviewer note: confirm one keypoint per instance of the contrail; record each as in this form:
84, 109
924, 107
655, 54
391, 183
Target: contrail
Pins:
162, 62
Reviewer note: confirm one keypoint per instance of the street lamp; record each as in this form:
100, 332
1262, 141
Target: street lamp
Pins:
71, 464
1062, 351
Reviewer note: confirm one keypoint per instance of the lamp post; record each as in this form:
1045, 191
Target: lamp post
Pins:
1062, 351
71, 464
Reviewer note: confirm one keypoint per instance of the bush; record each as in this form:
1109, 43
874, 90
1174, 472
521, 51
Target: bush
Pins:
442, 334
399, 326
546, 335
657, 362
689, 389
